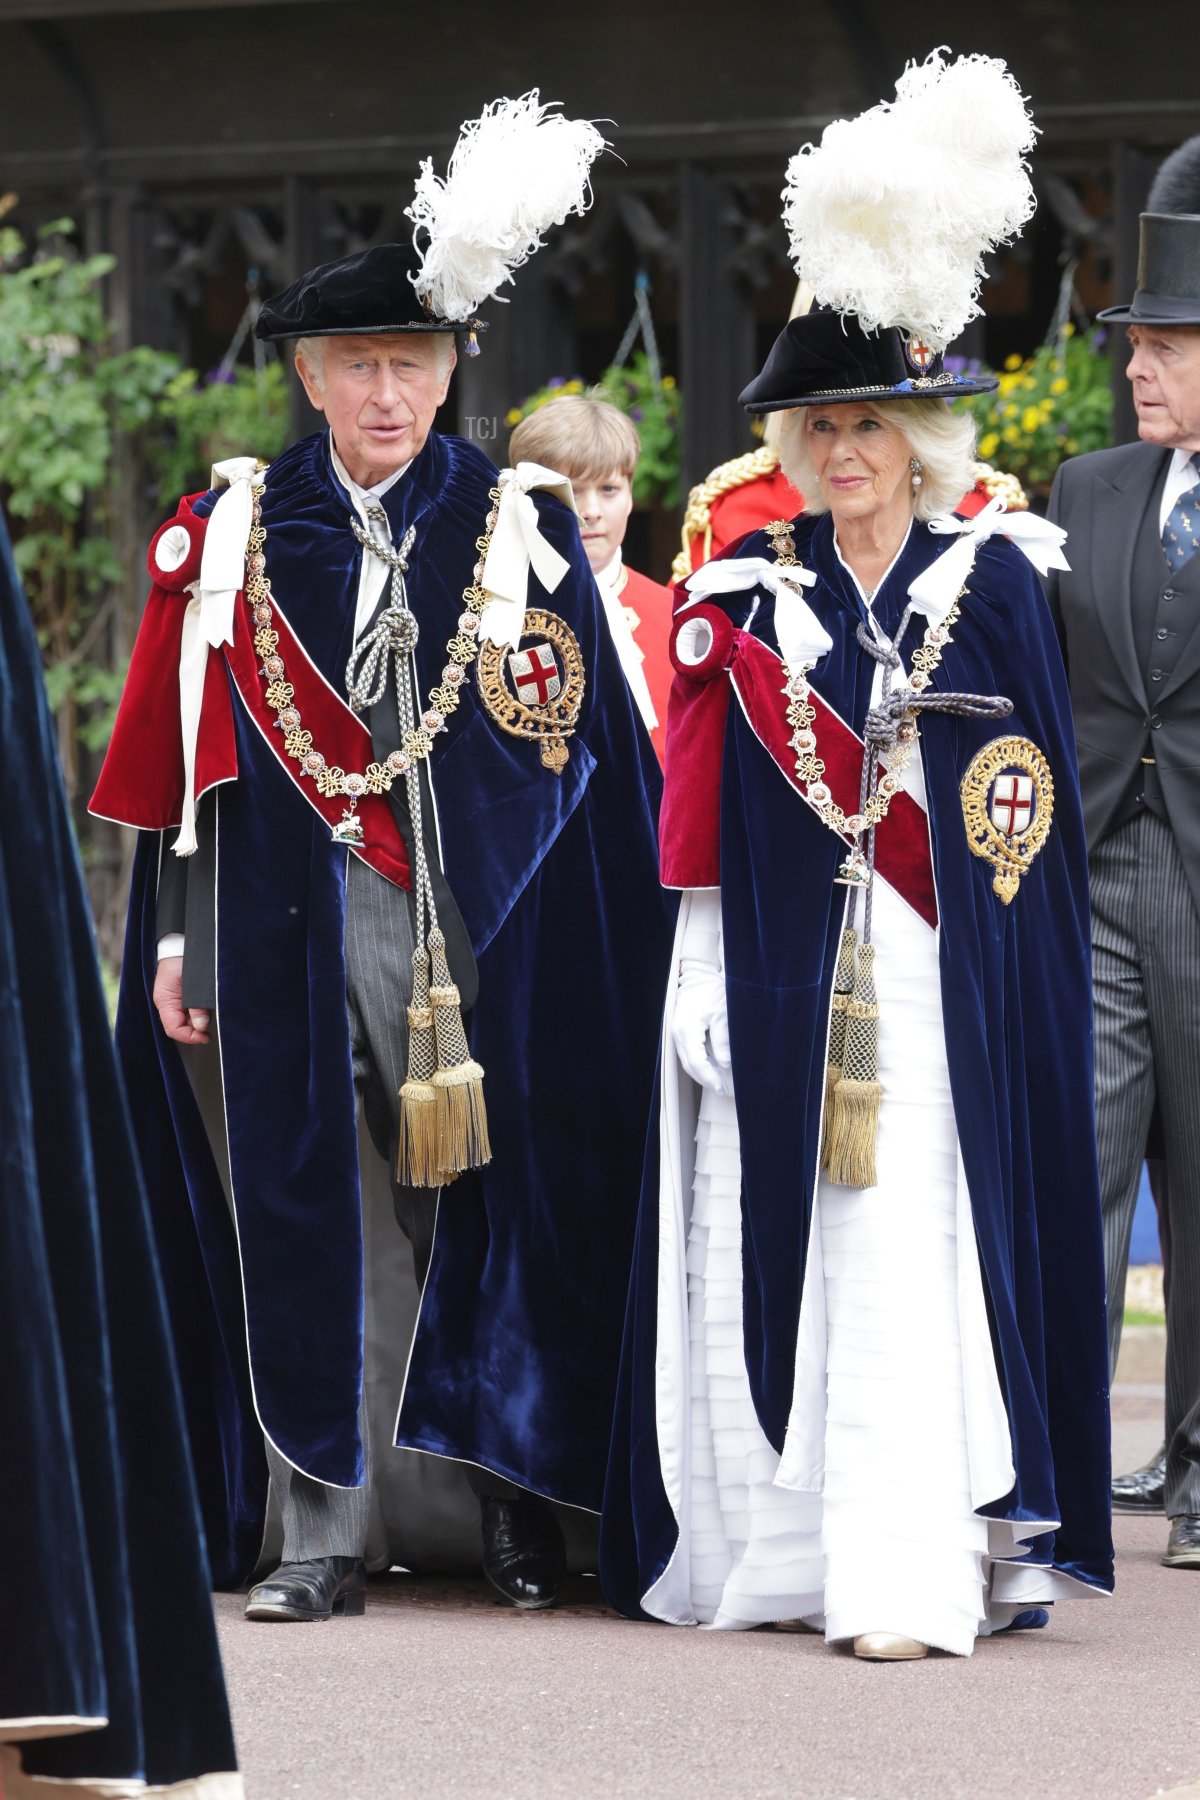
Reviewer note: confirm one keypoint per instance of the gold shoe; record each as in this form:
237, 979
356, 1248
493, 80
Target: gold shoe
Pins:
887, 1646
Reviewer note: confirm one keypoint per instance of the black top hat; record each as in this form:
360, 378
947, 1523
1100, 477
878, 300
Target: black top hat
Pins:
1168, 276
364, 295
825, 357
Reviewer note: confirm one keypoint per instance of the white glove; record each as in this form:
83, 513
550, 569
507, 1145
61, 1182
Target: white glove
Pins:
700, 1028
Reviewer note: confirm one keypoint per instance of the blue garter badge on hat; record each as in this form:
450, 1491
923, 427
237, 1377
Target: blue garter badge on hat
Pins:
543, 692
1008, 804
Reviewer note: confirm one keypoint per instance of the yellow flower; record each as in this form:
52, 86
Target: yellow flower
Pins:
1031, 418
513, 416
573, 387
1072, 446
1029, 384
1013, 361
989, 444
1011, 435
668, 381
1059, 385
1068, 331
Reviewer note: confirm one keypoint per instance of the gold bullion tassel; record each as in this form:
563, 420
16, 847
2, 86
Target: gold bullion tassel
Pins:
462, 1130
417, 1159
856, 1097
843, 982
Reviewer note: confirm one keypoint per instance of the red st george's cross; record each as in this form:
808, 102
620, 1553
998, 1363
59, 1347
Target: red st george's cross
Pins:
1012, 803
535, 675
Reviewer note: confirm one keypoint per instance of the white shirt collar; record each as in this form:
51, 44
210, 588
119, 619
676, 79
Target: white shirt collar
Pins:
1181, 475
610, 574
358, 494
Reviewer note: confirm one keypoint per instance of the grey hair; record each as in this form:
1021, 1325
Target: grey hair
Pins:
942, 441
311, 352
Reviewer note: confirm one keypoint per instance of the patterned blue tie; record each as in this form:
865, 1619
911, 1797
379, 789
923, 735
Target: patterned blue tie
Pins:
1181, 533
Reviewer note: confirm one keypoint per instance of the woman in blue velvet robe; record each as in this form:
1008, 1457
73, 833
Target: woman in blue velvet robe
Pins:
876, 1404
109, 1669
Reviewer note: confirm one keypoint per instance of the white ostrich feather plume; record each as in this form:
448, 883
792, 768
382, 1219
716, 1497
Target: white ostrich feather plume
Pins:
518, 169
890, 217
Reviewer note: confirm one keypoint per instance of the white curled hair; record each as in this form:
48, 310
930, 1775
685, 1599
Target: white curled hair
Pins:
517, 170
890, 216
942, 441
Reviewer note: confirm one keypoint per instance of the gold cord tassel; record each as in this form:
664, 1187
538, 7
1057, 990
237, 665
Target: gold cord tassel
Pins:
855, 1121
843, 983
462, 1127
417, 1156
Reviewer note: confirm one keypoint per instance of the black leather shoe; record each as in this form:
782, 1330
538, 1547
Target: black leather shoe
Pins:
1183, 1545
1143, 1490
304, 1591
524, 1557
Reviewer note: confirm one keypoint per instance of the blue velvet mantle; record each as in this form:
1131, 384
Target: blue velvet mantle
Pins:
106, 1611
1016, 995
515, 1358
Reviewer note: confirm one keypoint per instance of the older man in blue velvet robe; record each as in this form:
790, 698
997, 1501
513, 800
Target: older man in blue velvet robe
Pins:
350, 787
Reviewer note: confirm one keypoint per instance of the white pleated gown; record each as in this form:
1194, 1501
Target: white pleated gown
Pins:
893, 1543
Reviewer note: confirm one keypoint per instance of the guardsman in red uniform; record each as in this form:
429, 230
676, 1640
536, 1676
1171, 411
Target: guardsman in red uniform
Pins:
596, 446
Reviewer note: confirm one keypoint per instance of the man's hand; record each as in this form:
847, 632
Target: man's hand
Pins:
187, 1025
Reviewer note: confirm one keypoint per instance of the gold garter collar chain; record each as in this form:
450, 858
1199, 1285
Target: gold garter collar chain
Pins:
376, 778
810, 767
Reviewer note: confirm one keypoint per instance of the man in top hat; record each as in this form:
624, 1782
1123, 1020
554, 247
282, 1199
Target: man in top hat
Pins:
1127, 614
374, 706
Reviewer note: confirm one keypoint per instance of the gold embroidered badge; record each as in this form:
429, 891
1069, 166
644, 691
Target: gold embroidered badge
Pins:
547, 680
1008, 803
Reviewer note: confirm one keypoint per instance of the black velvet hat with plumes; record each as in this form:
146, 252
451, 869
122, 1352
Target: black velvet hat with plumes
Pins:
889, 219
1168, 276
825, 357
363, 295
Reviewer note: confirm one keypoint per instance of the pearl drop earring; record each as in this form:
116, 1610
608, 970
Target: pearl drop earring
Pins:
915, 464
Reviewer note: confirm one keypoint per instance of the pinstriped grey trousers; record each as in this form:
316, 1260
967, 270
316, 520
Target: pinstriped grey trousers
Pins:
1146, 975
380, 934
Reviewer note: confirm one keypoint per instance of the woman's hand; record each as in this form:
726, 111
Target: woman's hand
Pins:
701, 1026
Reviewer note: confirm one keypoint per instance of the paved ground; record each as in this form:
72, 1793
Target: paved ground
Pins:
440, 1692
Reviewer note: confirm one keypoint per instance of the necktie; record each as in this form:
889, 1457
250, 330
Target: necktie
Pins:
1181, 533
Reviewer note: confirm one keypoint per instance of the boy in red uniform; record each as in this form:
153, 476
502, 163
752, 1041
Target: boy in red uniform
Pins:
596, 446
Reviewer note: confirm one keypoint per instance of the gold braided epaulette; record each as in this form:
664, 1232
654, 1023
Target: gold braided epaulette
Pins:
697, 517
1001, 486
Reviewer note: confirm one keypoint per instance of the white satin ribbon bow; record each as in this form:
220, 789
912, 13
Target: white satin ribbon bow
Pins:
223, 563
936, 588
517, 545
208, 620
801, 635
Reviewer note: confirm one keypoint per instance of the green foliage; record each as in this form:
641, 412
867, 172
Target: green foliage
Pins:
69, 400
244, 414
656, 408
73, 411
1051, 405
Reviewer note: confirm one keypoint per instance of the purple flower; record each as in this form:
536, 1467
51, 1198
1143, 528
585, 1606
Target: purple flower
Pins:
635, 412
557, 381
219, 377
963, 365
